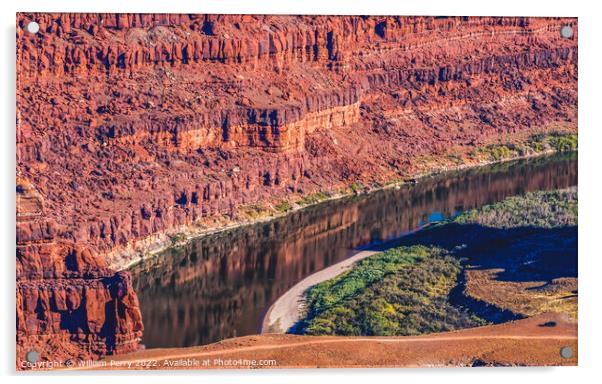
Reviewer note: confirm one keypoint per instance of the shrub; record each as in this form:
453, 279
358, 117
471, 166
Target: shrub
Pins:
283, 206
402, 291
563, 143
313, 198
177, 238
499, 152
356, 187
542, 209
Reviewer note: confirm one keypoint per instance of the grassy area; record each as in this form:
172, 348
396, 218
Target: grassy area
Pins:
517, 255
560, 142
499, 152
545, 209
403, 291
313, 198
563, 143
283, 206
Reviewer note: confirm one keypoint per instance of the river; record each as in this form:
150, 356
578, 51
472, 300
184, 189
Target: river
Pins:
220, 286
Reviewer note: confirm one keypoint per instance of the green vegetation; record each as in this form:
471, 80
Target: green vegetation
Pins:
254, 211
547, 209
356, 187
313, 198
408, 290
563, 143
403, 291
498, 152
531, 238
537, 143
560, 142
177, 238
283, 206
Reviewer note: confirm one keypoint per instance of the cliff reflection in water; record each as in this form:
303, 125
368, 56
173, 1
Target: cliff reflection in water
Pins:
220, 286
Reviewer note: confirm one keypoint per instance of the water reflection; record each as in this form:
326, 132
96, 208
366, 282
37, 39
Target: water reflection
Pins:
220, 286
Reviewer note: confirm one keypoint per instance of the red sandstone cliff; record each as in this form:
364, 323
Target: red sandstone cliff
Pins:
134, 125
69, 304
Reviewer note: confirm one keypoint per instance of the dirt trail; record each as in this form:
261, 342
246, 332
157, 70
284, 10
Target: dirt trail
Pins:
168, 355
523, 342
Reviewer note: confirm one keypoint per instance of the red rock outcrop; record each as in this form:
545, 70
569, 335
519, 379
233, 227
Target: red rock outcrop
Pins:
132, 125
69, 304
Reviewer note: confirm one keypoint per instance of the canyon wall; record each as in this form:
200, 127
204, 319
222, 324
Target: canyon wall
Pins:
131, 126
69, 304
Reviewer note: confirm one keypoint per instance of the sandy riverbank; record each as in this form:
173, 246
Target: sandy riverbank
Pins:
287, 310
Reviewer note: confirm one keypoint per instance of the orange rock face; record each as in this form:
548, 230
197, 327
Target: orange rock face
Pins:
130, 125
69, 304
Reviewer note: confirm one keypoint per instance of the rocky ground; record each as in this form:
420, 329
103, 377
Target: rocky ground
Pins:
528, 342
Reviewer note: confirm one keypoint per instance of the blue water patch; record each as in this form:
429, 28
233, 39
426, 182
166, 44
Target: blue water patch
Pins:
435, 216
431, 218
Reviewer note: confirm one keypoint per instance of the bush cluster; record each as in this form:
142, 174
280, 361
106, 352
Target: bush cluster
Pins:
403, 291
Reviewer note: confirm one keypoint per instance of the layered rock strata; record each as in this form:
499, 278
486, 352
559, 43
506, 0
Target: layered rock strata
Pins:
69, 304
136, 125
